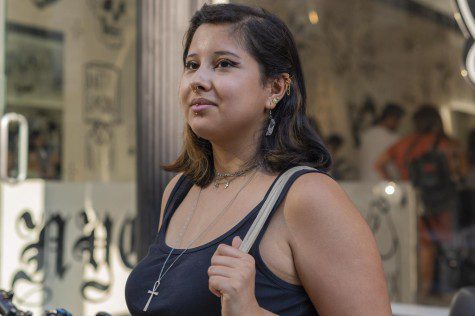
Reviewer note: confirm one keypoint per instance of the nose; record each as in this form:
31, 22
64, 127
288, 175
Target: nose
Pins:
200, 82
196, 87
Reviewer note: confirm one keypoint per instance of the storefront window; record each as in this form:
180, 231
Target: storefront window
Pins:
360, 58
386, 91
67, 230
70, 70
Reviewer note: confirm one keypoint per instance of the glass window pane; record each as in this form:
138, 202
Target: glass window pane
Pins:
70, 70
360, 58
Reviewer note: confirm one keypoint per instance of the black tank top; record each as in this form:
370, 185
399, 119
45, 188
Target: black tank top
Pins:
184, 289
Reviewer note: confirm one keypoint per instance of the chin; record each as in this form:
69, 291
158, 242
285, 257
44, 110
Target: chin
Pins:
203, 130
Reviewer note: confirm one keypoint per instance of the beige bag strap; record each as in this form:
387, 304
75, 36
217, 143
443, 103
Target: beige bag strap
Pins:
267, 207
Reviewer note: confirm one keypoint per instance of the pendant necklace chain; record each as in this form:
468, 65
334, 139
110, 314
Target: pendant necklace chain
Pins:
154, 291
222, 177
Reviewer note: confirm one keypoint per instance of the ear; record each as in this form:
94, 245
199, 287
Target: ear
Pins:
277, 89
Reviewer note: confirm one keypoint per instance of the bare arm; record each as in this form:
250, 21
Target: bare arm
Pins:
457, 160
382, 164
334, 251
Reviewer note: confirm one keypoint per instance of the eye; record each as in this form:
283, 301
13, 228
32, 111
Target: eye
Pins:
225, 63
191, 65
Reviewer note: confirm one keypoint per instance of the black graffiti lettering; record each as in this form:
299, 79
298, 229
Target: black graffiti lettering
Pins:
88, 245
27, 219
94, 285
127, 251
379, 220
34, 254
93, 245
59, 242
38, 248
108, 224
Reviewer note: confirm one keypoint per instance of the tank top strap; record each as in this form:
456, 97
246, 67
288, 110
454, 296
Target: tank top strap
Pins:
179, 191
279, 200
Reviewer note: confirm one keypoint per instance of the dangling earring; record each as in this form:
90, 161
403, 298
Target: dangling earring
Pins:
271, 126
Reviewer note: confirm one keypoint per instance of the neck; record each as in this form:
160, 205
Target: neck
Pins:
232, 158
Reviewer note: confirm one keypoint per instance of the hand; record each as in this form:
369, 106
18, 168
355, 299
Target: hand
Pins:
232, 277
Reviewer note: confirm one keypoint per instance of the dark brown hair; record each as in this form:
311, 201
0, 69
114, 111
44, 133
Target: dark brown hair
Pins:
293, 142
428, 120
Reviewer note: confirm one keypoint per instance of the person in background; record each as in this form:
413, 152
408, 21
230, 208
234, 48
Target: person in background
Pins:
436, 226
41, 160
54, 146
375, 140
428, 127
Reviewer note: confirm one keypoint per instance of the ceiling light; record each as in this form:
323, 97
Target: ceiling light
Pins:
313, 17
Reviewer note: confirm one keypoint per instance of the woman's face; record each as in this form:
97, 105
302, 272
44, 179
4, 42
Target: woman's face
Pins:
227, 79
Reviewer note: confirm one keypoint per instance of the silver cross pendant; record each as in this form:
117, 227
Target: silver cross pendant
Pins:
152, 293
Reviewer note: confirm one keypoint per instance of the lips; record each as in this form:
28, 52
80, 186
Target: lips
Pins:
201, 107
202, 101
201, 104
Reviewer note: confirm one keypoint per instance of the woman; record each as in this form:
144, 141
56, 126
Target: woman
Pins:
243, 98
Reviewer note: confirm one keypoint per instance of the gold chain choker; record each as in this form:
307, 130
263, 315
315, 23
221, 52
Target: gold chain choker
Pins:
226, 178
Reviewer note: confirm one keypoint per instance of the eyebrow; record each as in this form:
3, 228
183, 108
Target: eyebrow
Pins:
217, 53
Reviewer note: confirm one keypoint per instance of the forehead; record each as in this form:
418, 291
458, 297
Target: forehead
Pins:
209, 38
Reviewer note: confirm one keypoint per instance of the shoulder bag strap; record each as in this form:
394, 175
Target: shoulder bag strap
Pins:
267, 207
435, 146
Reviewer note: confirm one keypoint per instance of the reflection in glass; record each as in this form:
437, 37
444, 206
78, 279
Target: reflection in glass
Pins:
70, 70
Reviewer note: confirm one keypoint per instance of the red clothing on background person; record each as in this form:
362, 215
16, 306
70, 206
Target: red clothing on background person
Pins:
404, 151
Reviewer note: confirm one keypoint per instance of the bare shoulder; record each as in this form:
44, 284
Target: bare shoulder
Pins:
333, 249
166, 195
317, 205
317, 194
